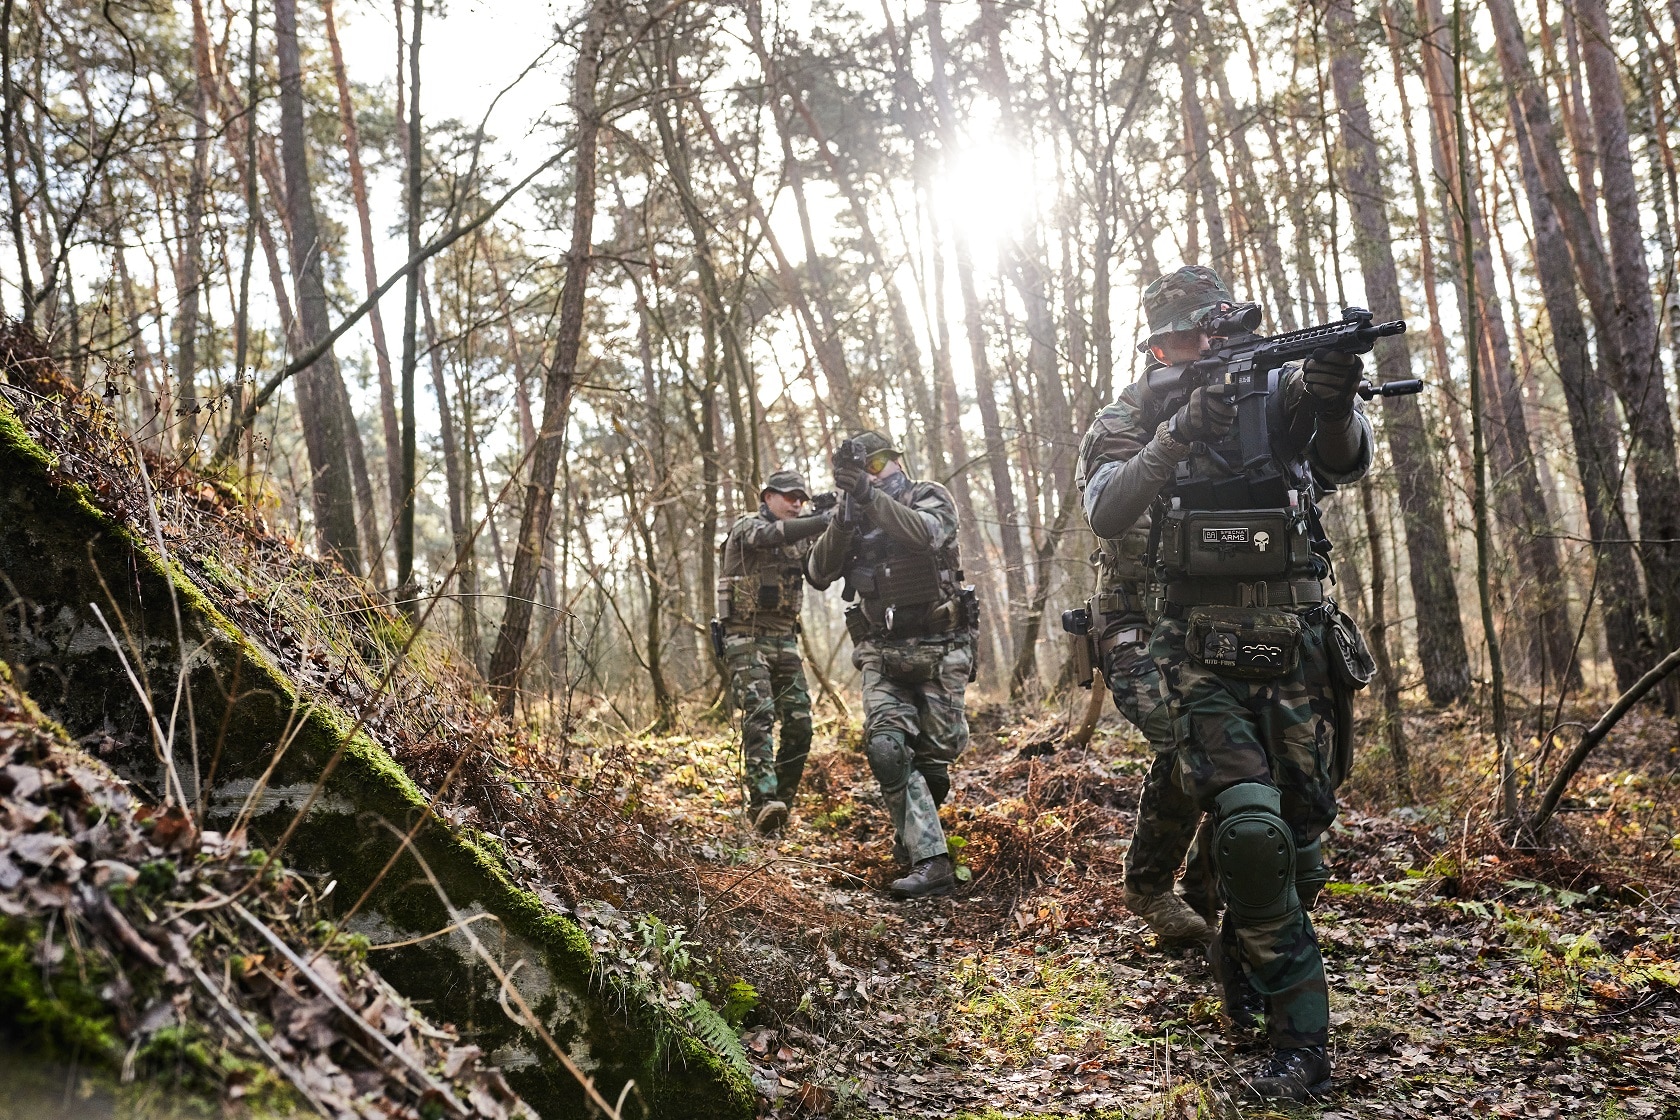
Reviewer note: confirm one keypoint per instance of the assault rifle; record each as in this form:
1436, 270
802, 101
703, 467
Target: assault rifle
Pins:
827, 500
1239, 359
849, 454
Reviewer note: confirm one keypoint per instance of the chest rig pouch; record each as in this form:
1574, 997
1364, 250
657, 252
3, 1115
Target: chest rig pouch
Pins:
1242, 508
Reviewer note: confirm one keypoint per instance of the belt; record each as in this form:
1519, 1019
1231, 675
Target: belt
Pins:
1244, 593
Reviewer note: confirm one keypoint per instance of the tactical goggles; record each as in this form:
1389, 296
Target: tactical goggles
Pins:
877, 462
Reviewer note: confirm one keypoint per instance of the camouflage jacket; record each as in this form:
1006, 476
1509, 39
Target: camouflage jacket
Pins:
922, 520
764, 575
1123, 467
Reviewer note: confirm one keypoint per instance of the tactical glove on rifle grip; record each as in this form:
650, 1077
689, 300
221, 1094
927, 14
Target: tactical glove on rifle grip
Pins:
855, 482
1332, 380
1205, 417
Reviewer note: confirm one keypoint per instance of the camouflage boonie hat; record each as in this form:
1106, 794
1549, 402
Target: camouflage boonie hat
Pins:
786, 482
874, 443
1180, 300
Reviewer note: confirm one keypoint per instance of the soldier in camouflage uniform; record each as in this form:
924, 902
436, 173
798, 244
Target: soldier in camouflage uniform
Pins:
912, 628
1243, 641
760, 592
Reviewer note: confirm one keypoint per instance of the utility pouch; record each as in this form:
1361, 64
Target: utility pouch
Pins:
769, 596
717, 637
1239, 544
1351, 662
857, 625
725, 597
1244, 642
917, 664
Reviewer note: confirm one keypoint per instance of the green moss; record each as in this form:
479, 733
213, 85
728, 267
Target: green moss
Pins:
60, 1017
621, 1030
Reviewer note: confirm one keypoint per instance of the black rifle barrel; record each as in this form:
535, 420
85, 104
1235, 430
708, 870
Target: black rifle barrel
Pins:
1391, 388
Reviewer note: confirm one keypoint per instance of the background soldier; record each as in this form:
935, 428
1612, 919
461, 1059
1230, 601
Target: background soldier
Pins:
912, 628
760, 592
1244, 642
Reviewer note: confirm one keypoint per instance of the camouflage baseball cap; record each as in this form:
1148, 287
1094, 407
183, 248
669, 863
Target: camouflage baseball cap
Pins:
786, 482
874, 443
1180, 300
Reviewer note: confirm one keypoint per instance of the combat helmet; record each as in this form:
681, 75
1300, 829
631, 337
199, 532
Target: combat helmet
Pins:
1182, 300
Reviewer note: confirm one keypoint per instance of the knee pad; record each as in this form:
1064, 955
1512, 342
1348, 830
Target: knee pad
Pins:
938, 778
1254, 851
1310, 873
889, 758
796, 731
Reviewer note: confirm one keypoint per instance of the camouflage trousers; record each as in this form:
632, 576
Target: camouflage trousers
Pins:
768, 681
1279, 732
914, 727
1166, 816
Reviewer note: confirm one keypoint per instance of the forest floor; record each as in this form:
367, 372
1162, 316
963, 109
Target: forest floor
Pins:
1466, 978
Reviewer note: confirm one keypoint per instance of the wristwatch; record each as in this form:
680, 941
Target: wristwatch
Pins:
1169, 442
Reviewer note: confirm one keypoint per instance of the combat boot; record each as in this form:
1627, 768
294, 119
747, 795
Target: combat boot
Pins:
770, 816
1168, 915
1292, 1075
930, 876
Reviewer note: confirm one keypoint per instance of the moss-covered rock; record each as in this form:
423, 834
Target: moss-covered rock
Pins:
75, 577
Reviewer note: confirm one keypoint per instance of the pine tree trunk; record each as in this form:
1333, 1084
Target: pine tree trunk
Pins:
370, 278
1441, 647
506, 663
1644, 393
319, 388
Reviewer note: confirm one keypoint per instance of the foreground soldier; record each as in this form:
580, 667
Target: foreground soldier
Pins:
912, 631
760, 592
1166, 816
1244, 643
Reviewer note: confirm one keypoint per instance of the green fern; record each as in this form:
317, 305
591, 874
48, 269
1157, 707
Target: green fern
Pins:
711, 1028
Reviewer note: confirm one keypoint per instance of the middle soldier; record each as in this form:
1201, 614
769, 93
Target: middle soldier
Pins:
912, 623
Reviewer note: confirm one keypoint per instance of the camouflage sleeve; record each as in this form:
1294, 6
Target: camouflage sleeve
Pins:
828, 556
1123, 465
757, 533
1339, 453
928, 521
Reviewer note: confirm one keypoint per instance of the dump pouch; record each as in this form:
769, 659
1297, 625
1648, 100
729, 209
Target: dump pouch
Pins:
1351, 663
857, 625
1237, 544
1244, 641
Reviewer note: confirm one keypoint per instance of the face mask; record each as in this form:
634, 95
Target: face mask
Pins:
895, 484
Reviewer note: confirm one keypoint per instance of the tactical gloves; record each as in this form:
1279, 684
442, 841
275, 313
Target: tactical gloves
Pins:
1205, 417
856, 482
1332, 379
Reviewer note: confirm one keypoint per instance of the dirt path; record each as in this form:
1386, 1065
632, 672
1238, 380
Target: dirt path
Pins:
1032, 990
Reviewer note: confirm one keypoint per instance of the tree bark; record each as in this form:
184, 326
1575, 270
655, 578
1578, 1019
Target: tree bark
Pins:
192, 246
1644, 393
319, 388
507, 661
407, 477
370, 278
1441, 647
